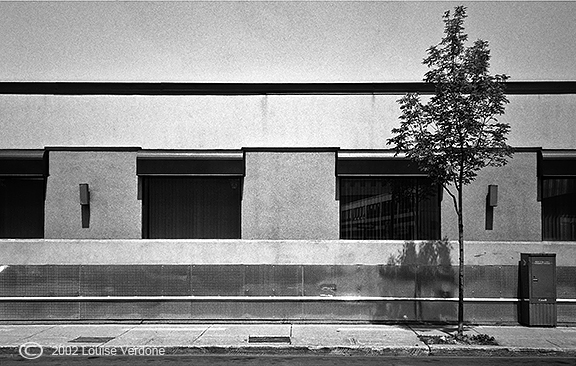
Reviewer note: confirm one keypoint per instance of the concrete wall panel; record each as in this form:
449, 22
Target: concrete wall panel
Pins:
254, 252
545, 121
518, 214
115, 211
290, 195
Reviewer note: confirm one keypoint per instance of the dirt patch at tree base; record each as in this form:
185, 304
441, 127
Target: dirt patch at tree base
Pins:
477, 339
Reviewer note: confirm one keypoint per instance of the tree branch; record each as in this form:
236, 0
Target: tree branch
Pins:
454, 200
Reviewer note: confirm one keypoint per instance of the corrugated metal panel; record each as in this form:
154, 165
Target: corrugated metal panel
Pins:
43, 280
358, 280
566, 282
325, 282
341, 311
288, 280
396, 281
320, 281
134, 310
394, 311
118, 280
175, 280
267, 310
218, 280
218, 310
437, 311
566, 313
265, 280
259, 280
39, 310
484, 281
543, 314
495, 313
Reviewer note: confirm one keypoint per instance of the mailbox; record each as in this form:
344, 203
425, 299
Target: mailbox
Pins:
538, 289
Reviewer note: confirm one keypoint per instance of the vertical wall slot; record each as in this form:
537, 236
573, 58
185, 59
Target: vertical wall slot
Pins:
491, 202
85, 204
493, 195
140, 188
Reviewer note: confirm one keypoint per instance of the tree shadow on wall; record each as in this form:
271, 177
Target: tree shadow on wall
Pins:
420, 270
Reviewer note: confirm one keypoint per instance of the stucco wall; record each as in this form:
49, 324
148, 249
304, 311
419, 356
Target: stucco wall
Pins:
518, 214
233, 122
290, 195
254, 252
312, 280
286, 195
115, 211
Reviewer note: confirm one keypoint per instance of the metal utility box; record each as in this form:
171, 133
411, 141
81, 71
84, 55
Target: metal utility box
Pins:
538, 289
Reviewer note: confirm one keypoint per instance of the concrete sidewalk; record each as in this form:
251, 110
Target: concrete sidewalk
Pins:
325, 339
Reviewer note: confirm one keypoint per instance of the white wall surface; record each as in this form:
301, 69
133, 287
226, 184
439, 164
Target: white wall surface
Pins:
115, 211
233, 122
290, 195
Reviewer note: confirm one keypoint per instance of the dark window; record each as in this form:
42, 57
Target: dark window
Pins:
21, 207
191, 207
389, 208
558, 208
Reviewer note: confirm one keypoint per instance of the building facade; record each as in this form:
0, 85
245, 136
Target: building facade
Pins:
267, 201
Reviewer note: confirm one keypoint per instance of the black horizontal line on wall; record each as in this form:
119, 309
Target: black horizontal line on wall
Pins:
169, 88
291, 149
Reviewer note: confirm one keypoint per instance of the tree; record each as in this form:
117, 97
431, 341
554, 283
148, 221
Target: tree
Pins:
456, 133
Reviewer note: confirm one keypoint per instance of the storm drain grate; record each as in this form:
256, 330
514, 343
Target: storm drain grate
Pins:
91, 340
268, 339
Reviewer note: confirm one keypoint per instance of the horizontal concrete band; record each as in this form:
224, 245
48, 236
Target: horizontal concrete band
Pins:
281, 252
257, 299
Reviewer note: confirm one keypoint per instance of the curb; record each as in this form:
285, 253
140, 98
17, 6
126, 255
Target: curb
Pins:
432, 351
302, 350
13, 351
498, 351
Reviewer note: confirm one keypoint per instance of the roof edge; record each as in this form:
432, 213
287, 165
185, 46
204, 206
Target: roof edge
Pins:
191, 88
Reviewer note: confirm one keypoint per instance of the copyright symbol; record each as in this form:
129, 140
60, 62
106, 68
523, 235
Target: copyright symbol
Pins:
31, 350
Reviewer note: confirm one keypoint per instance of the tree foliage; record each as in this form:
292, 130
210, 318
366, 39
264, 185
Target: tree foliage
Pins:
456, 133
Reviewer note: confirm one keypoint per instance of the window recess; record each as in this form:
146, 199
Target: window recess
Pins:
385, 197
191, 195
557, 193
22, 193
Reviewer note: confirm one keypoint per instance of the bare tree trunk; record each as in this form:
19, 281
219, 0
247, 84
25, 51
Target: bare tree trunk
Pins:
460, 265
417, 293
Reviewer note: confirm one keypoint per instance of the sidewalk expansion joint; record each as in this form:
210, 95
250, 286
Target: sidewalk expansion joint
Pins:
126, 331
201, 334
418, 336
35, 334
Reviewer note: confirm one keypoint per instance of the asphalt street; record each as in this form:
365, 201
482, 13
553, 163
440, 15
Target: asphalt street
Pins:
264, 360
